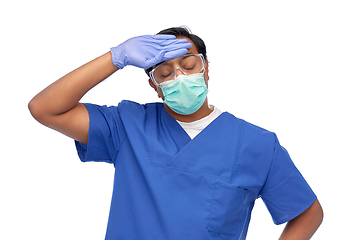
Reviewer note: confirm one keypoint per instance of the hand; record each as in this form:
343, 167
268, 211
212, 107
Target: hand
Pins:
146, 51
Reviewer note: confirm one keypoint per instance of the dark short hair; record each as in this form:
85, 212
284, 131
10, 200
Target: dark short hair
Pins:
184, 32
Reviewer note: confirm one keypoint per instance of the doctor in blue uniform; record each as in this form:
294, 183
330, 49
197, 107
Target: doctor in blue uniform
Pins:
183, 168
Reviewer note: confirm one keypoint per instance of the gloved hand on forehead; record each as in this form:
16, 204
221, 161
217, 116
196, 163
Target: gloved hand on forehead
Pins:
146, 51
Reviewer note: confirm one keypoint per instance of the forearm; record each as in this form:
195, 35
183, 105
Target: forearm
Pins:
66, 92
58, 107
305, 225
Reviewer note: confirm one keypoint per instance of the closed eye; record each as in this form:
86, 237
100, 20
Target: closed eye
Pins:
189, 68
165, 76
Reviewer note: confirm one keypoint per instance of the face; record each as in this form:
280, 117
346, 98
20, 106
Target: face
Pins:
191, 50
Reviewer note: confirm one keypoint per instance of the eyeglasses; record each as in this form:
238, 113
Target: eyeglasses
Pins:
188, 64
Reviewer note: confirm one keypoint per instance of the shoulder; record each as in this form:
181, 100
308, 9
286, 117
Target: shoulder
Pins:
254, 134
255, 155
137, 108
133, 112
124, 110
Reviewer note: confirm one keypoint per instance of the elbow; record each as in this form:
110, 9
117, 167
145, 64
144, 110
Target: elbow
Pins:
32, 107
36, 110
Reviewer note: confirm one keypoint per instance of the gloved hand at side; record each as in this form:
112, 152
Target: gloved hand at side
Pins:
146, 51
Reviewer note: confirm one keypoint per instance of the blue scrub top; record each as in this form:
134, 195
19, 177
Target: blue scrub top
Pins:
167, 186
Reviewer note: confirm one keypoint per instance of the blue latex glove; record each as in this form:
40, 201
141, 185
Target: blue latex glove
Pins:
146, 51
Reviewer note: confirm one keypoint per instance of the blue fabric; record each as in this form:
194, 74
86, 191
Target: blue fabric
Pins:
167, 186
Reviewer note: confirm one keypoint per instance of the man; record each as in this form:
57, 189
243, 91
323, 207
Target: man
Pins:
183, 168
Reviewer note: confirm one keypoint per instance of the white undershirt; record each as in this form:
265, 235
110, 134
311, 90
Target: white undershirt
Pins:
194, 128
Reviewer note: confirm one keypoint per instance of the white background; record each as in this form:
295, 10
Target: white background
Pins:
291, 67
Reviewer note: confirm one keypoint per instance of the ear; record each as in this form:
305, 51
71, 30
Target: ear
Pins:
154, 87
207, 69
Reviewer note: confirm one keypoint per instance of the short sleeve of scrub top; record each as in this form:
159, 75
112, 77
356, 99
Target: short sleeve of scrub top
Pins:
106, 133
286, 193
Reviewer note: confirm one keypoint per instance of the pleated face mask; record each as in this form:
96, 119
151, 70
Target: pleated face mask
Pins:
185, 94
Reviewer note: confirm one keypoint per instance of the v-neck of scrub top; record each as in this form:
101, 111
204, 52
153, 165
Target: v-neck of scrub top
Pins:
212, 152
194, 128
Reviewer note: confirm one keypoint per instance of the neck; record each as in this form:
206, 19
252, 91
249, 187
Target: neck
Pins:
203, 111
